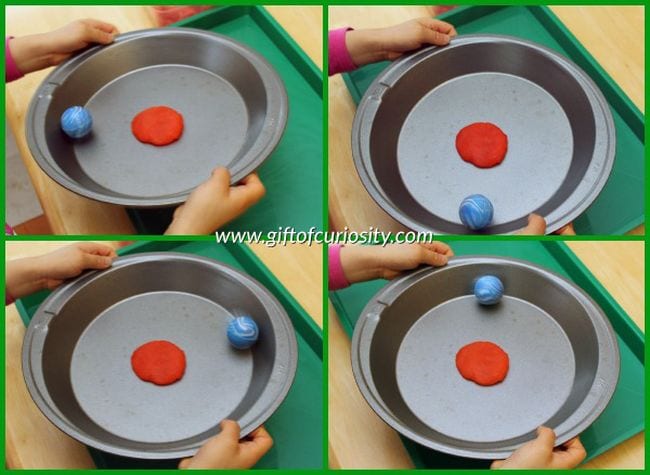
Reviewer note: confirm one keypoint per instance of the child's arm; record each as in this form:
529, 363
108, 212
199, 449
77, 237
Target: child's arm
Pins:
215, 202
31, 274
33, 52
338, 56
226, 451
351, 48
541, 453
361, 263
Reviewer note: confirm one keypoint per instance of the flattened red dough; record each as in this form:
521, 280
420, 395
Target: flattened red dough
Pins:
160, 125
159, 362
482, 143
483, 362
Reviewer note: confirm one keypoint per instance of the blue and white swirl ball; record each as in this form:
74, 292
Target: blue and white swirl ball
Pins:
242, 332
488, 289
476, 212
76, 122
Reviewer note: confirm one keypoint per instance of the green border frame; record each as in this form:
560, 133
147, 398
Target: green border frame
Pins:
324, 76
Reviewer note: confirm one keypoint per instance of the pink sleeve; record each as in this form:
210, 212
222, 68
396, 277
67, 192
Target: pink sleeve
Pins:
338, 55
11, 70
337, 279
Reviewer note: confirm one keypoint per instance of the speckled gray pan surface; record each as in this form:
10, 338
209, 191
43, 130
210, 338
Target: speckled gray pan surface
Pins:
77, 355
564, 360
233, 103
561, 136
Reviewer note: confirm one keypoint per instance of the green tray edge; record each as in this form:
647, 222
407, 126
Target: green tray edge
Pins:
303, 63
624, 326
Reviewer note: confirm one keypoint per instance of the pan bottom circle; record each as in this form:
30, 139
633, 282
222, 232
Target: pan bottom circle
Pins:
215, 382
540, 146
538, 383
215, 120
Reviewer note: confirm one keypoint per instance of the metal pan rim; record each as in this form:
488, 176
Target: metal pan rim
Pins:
385, 296
38, 392
366, 111
254, 158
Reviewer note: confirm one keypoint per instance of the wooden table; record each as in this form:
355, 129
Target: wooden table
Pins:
67, 212
623, 58
32, 442
358, 438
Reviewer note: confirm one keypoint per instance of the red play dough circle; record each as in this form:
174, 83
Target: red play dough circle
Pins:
482, 143
159, 362
158, 125
483, 362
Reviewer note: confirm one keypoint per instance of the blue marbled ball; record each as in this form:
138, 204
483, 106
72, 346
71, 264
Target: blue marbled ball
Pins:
242, 332
488, 289
476, 212
76, 122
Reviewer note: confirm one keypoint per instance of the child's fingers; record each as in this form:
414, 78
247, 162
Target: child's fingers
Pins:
536, 225
566, 230
220, 177
97, 248
178, 211
94, 261
434, 258
497, 464
250, 190
260, 443
229, 429
444, 27
251, 179
545, 437
102, 25
574, 453
184, 464
439, 247
96, 35
435, 37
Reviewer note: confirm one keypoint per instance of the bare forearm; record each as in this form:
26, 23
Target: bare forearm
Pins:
360, 263
30, 53
24, 277
364, 46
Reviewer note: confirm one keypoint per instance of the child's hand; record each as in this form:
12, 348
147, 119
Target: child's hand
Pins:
369, 46
361, 263
26, 276
71, 261
226, 451
40, 51
214, 203
537, 226
541, 453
